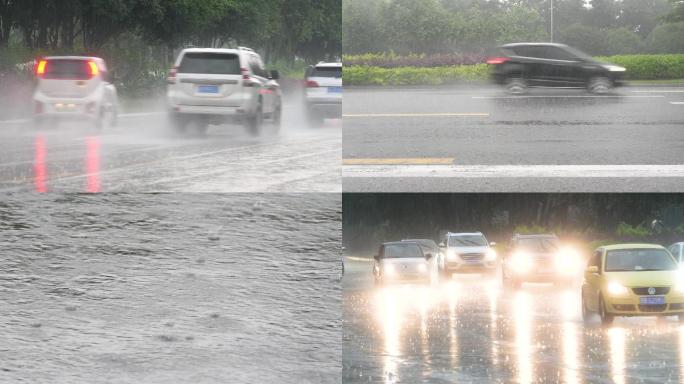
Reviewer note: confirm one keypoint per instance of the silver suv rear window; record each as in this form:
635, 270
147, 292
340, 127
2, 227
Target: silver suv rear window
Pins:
210, 63
67, 69
335, 72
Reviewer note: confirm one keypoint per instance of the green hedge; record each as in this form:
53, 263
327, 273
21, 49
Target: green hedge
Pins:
639, 67
365, 75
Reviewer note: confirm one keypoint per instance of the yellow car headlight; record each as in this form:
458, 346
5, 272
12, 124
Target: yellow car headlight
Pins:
422, 268
490, 255
451, 255
678, 287
389, 269
521, 262
617, 289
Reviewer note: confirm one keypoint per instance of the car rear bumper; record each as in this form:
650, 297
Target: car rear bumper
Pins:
208, 110
65, 108
328, 107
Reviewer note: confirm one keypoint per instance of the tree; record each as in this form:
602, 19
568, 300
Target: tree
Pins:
667, 38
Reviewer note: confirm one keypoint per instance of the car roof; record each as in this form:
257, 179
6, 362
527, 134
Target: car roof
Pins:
511, 45
215, 50
72, 58
464, 234
614, 247
328, 65
532, 236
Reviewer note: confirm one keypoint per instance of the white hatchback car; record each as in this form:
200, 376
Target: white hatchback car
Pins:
212, 86
405, 261
74, 87
469, 253
323, 93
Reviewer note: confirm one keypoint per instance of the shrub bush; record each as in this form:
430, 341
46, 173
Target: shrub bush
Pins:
649, 67
366, 75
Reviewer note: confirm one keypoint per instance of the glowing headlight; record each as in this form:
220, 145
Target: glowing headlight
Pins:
389, 269
567, 261
617, 289
422, 268
490, 255
451, 255
678, 287
521, 262
614, 68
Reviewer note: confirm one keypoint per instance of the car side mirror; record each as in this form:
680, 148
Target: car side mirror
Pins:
592, 269
428, 256
442, 245
275, 75
492, 244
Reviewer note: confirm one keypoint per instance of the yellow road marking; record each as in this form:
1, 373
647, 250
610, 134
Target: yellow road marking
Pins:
415, 114
405, 161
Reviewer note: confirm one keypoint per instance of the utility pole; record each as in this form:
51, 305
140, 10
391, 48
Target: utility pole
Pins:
552, 21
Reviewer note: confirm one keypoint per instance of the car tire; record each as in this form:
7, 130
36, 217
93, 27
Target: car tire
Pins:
599, 85
606, 318
585, 311
277, 118
516, 86
255, 121
178, 123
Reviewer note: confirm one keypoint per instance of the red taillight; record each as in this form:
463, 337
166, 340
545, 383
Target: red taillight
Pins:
311, 84
41, 67
497, 60
171, 77
93, 69
246, 79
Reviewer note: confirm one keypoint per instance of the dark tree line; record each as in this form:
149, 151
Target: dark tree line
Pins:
370, 218
280, 28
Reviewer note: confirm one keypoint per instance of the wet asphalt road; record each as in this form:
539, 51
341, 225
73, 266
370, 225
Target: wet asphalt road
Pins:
142, 154
170, 288
469, 330
462, 138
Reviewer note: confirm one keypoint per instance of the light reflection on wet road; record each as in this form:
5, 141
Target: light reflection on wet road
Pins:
470, 330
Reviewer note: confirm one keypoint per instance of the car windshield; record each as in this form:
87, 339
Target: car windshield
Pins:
210, 63
67, 69
402, 251
467, 241
424, 243
539, 244
335, 72
623, 260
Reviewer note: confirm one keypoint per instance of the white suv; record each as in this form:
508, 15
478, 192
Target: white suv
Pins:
214, 85
469, 252
323, 93
74, 87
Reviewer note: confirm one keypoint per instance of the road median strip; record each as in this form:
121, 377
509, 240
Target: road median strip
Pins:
446, 114
400, 161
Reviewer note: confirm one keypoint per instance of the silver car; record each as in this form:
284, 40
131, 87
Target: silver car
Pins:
323, 92
404, 261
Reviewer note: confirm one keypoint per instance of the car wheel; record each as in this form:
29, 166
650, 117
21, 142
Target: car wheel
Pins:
277, 117
255, 121
178, 123
599, 85
315, 119
585, 311
516, 86
606, 318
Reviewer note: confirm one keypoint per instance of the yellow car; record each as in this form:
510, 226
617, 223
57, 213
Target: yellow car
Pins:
632, 280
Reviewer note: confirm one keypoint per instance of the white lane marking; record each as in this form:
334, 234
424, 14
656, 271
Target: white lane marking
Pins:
511, 171
121, 115
567, 96
677, 102
658, 91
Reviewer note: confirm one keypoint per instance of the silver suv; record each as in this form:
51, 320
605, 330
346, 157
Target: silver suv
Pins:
323, 93
216, 85
469, 252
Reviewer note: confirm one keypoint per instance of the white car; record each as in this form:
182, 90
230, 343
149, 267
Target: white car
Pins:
469, 253
404, 261
74, 87
216, 85
323, 92
677, 250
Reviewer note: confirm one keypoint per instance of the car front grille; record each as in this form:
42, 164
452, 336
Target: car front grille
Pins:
677, 306
624, 307
652, 308
472, 256
643, 291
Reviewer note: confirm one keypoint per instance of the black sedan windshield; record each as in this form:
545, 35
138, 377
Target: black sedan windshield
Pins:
402, 251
